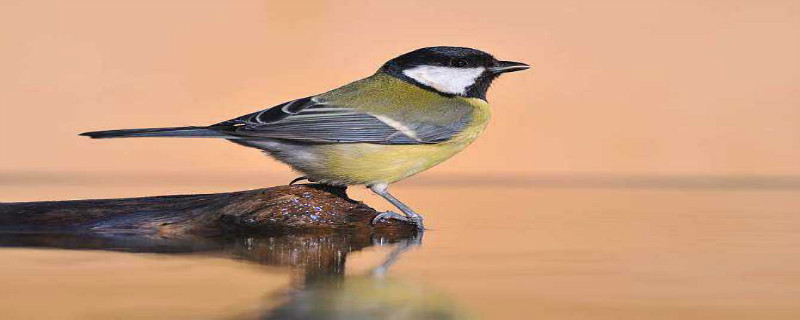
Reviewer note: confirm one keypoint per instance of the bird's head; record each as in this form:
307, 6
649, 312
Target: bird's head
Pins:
450, 71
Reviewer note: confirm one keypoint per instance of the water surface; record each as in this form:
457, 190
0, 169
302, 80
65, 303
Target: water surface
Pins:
516, 251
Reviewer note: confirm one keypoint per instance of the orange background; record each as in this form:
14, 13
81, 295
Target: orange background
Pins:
619, 86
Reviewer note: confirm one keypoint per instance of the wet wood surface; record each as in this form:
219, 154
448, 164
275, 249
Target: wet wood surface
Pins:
293, 209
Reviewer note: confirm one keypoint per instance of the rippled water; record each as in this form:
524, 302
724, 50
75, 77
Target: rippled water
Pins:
522, 251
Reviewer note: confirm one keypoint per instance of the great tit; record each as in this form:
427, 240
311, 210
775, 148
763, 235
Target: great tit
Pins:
416, 111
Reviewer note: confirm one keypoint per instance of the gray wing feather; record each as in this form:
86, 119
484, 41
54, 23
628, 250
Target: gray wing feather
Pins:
312, 121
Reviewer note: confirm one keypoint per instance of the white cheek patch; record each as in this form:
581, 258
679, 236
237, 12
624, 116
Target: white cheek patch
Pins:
445, 79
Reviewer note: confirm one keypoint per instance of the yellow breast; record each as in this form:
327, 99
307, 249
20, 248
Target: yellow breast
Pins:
363, 163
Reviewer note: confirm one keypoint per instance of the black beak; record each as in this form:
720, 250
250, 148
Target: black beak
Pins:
508, 66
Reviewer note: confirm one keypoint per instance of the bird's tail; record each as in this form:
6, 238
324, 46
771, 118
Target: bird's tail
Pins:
188, 132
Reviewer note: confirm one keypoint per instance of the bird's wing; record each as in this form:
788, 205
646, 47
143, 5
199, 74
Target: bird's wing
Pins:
315, 121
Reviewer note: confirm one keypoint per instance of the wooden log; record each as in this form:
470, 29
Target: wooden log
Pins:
296, 209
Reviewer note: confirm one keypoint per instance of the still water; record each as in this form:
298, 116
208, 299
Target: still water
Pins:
495, 251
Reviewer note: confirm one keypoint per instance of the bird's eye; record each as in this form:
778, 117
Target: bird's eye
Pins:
458, 63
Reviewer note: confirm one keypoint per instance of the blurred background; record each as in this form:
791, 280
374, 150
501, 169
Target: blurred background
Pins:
675, 88
647, 167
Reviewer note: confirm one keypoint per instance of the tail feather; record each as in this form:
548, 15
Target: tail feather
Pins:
197, 132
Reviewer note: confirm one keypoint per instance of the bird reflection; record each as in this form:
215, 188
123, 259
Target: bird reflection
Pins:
319, 290
372, 295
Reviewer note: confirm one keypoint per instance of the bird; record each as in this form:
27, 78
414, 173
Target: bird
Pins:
418, 110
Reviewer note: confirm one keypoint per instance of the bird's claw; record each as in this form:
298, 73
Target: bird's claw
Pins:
389, 215
416, 220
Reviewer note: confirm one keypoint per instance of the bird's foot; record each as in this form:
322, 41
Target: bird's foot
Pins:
415, 219
386, 215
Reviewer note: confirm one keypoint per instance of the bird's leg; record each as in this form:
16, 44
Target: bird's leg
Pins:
410, 215
298, 179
